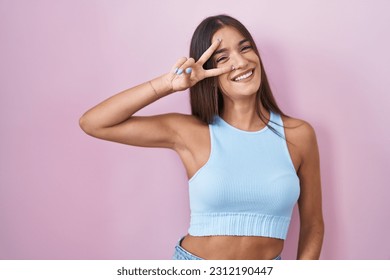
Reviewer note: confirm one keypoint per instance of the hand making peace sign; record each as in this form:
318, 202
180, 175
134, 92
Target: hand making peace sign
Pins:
186, 72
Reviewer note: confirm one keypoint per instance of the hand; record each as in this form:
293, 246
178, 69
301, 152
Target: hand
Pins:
186, 72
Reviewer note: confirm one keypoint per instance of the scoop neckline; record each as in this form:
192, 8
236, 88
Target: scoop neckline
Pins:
247, 131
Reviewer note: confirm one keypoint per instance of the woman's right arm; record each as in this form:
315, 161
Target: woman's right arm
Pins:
113, 119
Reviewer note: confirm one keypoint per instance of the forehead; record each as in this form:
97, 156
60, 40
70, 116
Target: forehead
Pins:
228, 33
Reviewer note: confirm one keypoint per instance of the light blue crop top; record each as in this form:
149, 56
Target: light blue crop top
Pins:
248, 187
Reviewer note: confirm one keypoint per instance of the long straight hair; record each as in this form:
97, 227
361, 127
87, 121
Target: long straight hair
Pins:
205, 96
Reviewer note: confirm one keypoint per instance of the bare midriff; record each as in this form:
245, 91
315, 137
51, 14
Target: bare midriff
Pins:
233, 247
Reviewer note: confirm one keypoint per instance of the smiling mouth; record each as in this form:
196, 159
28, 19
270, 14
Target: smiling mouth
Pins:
244, 76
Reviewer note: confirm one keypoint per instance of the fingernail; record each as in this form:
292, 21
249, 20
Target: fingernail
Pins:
175, 70
219, 39
188, 70
179, 71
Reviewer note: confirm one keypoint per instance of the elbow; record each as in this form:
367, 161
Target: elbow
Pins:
86, 125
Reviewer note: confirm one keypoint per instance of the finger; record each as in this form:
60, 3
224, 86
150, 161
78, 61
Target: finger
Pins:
178, 64
209, 52
186, 66
218, 71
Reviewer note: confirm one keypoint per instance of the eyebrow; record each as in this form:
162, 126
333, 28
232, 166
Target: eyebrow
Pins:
224, 49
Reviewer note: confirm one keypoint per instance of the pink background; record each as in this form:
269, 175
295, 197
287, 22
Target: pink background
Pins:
65, 195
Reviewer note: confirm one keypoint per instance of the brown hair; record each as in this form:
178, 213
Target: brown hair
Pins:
205, 96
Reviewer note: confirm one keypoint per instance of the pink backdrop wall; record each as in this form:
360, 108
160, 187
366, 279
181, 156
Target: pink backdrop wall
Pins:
65, 195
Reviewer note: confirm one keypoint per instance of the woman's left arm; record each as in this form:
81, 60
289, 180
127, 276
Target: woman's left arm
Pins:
310, 202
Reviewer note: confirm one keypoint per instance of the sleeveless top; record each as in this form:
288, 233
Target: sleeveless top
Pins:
248, 186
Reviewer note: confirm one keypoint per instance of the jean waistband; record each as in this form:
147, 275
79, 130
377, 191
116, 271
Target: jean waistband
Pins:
179, 250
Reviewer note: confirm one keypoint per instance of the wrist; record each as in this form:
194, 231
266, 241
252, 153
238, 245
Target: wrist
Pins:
162, 86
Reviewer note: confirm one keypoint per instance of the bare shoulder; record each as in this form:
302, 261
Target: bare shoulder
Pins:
301, 134
299, 129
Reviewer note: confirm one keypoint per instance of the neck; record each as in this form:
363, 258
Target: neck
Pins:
242, 114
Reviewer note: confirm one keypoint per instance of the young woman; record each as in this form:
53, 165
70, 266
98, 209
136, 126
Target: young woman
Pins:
247, 162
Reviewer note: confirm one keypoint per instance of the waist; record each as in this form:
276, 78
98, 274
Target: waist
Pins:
238, 224
233, 247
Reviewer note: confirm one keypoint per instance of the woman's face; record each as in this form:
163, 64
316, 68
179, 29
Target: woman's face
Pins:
236, 51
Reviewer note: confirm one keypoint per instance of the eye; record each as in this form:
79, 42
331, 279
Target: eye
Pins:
221, 59
246, 48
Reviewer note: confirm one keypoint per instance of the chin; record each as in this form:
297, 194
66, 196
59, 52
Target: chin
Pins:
247, 90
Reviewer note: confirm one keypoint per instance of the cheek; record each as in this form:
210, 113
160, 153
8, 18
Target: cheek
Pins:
222, 82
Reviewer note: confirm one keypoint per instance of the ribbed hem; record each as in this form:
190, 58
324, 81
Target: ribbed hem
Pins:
242, 224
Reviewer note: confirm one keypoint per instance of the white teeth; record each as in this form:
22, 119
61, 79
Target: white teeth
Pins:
243, 76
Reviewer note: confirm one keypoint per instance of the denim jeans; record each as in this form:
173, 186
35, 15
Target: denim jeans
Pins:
182, 254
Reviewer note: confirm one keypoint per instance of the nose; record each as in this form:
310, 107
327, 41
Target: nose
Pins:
238, 61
